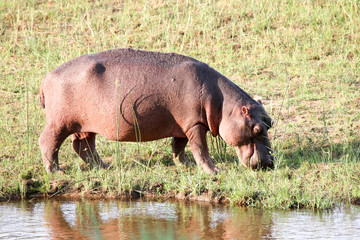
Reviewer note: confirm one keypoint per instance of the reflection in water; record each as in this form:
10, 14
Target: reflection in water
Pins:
153, 220
57, 219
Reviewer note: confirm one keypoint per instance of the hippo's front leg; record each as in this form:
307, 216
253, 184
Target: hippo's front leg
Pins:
199, 148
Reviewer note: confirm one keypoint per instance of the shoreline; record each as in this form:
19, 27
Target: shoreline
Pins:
307, 187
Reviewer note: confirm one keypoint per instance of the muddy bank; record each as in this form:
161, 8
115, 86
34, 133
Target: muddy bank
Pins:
76, 190
66, 189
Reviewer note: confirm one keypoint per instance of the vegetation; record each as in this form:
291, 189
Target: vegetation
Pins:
300, 58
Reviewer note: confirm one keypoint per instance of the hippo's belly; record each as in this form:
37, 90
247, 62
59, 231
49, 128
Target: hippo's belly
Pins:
146, 121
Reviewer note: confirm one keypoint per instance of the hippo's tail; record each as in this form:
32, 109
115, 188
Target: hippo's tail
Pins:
42, 96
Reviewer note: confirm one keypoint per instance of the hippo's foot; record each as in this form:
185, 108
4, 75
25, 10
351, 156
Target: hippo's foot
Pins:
99, 165
106, 166
55, 169
210, 169
180, 160
60, 171
217, 170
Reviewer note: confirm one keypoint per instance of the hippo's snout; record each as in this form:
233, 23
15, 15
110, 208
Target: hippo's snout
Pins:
255, 156
266, 162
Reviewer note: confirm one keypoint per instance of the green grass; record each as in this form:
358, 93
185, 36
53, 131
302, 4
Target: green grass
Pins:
300, 58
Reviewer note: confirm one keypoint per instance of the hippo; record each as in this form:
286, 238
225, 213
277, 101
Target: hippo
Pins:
136, 96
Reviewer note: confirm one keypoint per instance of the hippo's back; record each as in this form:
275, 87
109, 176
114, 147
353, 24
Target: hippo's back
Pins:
145, 56
127, 67
122, 56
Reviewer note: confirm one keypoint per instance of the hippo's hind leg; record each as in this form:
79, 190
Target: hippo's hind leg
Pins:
84, 146
178, 150
199, 148
50, 141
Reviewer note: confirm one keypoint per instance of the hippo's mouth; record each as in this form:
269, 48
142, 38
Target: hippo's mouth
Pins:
255, 156
257, 162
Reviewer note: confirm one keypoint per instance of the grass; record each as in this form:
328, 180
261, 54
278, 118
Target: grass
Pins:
300, 58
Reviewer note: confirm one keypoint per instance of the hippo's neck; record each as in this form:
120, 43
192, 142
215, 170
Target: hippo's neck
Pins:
222, 96
234, 95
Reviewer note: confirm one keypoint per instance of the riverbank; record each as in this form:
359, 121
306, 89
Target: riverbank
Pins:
318, 183
301, 59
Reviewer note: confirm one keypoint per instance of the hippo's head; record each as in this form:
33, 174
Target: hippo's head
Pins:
245, 128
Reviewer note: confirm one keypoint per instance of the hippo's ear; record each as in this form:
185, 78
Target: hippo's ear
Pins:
245, 111
241, 111
260, 102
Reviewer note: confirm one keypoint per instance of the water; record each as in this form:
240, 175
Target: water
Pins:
84, 219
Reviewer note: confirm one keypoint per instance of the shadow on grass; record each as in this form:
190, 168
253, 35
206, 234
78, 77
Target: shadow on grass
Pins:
292, 157
326, 153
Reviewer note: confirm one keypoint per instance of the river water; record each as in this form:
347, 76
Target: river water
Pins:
85, 219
